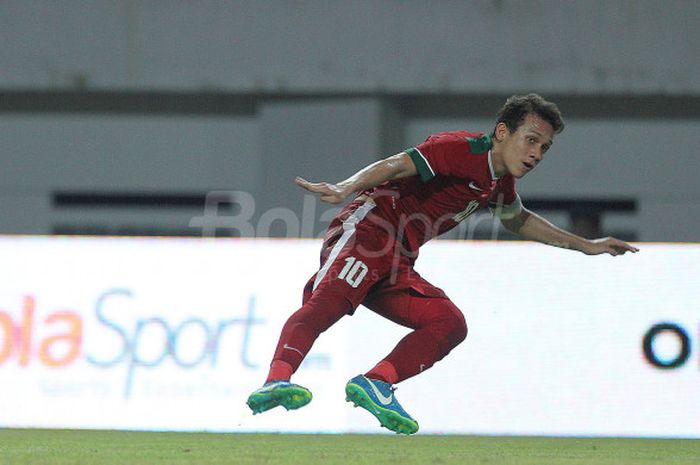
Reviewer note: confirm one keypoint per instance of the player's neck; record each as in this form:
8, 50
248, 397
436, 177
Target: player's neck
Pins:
497, 161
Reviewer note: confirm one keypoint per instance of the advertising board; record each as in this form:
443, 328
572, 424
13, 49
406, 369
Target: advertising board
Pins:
173, 334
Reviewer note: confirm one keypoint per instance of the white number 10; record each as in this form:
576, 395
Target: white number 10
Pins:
353, 272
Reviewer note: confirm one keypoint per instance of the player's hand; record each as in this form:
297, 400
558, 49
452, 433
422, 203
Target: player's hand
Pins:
609, 245
331, 193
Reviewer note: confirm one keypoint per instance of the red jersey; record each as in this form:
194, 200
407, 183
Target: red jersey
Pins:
455, 178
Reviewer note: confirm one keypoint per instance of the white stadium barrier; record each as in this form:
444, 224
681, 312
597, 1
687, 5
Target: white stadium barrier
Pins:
173, 334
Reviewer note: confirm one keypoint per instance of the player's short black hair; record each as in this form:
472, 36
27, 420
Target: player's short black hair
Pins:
517, 107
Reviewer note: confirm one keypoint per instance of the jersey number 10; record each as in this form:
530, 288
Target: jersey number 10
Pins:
353, 272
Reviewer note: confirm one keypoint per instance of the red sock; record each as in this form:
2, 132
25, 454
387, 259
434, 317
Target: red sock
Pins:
383, 371
279, 370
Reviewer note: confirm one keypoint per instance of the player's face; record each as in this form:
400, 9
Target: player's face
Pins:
524, 149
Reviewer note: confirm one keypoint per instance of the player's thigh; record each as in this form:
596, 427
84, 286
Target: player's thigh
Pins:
349, 271
413, 309
409, 300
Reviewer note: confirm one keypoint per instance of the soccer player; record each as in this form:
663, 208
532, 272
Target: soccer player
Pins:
370, 248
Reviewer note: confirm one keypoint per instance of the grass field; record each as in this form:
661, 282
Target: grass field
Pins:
70, 447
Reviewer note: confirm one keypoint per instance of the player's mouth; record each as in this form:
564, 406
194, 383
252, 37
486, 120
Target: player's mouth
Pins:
528, 166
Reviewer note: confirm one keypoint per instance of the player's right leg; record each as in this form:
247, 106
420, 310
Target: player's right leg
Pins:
346, 275
275, 393
299, 333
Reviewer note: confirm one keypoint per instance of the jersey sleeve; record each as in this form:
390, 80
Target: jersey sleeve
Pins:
446, 154
504, 201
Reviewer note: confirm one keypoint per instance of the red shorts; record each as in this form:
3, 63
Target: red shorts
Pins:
362, 264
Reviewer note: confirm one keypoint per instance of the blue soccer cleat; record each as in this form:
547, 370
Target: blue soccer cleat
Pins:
377, 397
288, 395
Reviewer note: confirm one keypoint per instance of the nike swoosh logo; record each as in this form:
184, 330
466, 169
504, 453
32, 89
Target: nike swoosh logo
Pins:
294, 349
473, 186
384, 400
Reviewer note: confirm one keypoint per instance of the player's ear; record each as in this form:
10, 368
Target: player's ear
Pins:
500, 131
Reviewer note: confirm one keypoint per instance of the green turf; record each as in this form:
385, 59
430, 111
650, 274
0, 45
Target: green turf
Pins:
56, 447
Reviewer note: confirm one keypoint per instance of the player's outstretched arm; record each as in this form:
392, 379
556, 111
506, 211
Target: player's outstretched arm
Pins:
533, 227
394, 167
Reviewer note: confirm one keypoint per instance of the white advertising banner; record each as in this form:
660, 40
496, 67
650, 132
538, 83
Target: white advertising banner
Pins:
173, 334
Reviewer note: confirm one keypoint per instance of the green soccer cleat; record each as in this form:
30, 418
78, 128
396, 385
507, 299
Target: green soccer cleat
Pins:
274, 393
377, 397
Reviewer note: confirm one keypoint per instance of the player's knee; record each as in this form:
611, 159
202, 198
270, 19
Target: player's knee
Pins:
458, 328
449, 329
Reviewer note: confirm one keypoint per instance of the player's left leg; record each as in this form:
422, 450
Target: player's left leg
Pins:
377, 397
438, 327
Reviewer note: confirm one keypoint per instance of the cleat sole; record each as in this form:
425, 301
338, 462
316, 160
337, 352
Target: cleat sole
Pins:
291, 398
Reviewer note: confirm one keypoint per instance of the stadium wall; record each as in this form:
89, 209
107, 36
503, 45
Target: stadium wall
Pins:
186, 98
46, 154
172, 334
591, 47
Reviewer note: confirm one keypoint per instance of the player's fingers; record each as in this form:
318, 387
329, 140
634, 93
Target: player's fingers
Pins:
622, 249
329, 193
301, 182
316, 187
625, 247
